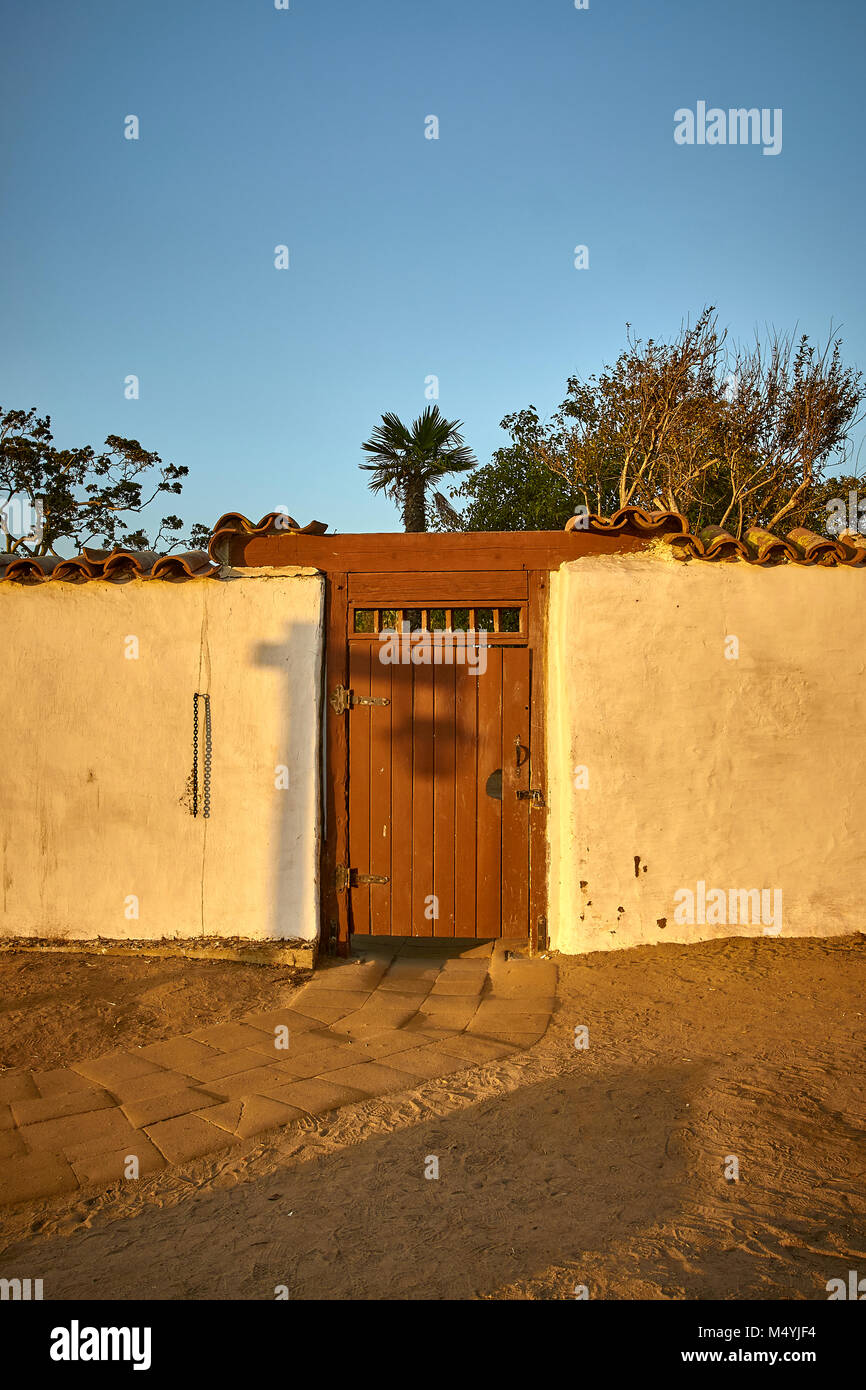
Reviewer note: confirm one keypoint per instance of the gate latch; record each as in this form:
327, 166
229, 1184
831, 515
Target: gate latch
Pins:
535, 795
343, 699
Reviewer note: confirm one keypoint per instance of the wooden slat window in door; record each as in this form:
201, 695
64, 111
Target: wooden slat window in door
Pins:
502, 624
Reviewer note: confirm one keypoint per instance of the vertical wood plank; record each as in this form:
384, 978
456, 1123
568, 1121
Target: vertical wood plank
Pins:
380, 792
515, 814
444, 764
488, 880
466, 800
422, 798
336, 909
401, 800
359, 783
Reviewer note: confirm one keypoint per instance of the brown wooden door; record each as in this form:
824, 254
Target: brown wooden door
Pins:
433, 780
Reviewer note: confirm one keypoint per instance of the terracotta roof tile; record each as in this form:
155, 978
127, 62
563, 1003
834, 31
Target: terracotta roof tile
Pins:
271, 524
107, 564
630, 519
758, 546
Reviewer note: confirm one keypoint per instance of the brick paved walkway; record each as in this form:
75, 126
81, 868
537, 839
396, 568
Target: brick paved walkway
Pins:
400, 1014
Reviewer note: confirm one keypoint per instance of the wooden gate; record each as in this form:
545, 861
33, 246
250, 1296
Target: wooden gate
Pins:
440, 763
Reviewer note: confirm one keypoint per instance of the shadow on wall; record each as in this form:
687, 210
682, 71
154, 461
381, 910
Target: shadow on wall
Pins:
295, 773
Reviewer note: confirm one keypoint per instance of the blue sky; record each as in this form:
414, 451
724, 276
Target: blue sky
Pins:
409, 257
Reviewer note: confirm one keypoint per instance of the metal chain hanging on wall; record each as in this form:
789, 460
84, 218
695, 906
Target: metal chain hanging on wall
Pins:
207, 754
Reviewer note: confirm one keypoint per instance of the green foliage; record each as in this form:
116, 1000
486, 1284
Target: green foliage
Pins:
516, 491
408, 461
85, 496
731, 436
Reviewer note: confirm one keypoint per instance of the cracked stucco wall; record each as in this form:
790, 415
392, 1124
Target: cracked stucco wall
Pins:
674, 763
96, 821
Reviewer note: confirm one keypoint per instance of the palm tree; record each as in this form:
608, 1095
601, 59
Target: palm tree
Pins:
407, 461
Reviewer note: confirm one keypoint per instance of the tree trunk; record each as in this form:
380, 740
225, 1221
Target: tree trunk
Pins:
414, 506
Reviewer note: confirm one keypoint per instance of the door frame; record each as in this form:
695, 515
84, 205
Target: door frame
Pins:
336, 920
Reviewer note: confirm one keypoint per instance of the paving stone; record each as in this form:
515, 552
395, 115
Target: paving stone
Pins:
448, 1013
75, 1134
475, 1049
407, 985
228, 1037
462, 966
428, 1061
517, 1001
153, 1083
393, 1001
61, 1081
11, 1143
227, 1063
322, 1060
528, 977
322, 1036
455, 985
351, 976
517, 992
517, 1037
362, 1024
178, 1054
494, 1015
17, 1085
386, 1043
249, 1083
31, 1112
427, 1029
109, 1166
411, 972
318, 1095
327, 1013
300, 1045
293, 1019
151, 1109
313, 998
6, 1120
187, 1136
226, 1115
250, 1115
270, 1050
37, 1175
373, 1078
114, 1066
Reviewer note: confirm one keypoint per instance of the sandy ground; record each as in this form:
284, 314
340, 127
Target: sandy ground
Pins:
62, 1007
558, 1167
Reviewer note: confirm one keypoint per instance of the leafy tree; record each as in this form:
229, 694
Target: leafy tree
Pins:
408, 461
731, 436
516, 491
84, 496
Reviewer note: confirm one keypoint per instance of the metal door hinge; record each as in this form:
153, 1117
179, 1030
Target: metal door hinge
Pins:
356, 879
350, 878
343, 699
535, 795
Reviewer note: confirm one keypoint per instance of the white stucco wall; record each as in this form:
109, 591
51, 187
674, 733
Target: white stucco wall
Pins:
98, 752
741, 773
